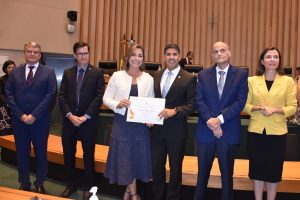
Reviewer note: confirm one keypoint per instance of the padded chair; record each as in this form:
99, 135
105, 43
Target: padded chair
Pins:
107, 134
292, 147
194, 68
108, 66
288, 70
245, 68
151, 67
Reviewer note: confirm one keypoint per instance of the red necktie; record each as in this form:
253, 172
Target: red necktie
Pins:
30, 75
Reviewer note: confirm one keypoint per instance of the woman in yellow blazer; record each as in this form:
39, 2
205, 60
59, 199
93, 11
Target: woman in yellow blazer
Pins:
271, 99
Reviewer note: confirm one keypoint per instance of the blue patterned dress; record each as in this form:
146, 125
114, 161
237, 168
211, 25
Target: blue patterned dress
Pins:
129, 155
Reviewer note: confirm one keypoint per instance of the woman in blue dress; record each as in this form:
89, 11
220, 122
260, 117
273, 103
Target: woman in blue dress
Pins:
129, 150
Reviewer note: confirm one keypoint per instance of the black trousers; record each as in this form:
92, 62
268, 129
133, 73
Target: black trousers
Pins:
160, 149
86, 133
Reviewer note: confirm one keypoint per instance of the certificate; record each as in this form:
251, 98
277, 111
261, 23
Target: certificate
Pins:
145, 110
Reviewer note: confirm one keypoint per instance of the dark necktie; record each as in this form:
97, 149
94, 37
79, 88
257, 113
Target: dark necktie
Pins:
79, 82
30, 75
221, 83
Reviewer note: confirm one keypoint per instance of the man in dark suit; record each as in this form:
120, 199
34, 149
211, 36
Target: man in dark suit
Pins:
178, 88
221, 96
187, 60
80, 97
30, 91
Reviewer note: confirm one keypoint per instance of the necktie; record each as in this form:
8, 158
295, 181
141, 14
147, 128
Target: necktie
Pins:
30, 75
79, 82
221, 83
166, 86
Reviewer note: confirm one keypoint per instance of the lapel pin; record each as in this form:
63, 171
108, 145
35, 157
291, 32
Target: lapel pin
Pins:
179, 76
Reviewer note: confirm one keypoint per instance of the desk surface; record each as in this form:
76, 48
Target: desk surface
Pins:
290, 177
14, 194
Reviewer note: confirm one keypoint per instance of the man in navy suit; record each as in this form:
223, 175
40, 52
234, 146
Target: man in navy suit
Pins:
221, 95
80, 97
31, 90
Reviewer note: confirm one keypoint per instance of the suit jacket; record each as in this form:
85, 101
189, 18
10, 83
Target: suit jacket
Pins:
91, 92
282, 94
230, 105
35, 99
181, 95
119, 87
184, 62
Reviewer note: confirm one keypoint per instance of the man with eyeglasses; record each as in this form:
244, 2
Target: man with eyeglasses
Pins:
31, 91
80, 98
221, 95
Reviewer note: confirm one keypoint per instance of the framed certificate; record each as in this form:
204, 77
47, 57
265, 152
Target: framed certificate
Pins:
145, 110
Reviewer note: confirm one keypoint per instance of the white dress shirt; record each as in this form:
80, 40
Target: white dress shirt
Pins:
218, 75
220, 117
165, 75
27, 69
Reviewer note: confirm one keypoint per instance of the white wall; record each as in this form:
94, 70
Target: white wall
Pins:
43, 21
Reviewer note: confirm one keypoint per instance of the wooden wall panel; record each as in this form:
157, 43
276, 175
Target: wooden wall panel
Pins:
158, 14
293, 31
197, 28
248, 27
244, 31
297, 33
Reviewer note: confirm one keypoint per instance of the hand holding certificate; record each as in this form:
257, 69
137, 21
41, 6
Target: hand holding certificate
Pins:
145, 110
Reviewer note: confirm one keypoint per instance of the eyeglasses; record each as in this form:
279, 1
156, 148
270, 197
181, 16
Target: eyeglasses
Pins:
221, 51
32, 52
83, 54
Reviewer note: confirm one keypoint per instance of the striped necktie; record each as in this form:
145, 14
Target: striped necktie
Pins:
221, 83
30, 75
167, 84
79, 82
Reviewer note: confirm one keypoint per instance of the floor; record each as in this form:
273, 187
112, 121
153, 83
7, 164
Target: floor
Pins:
9, 178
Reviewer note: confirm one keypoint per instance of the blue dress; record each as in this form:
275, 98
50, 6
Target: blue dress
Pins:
129, 155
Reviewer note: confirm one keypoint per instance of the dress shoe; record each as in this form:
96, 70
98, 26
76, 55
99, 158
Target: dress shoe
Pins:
69, 191
24, 188
39, 189
86, 195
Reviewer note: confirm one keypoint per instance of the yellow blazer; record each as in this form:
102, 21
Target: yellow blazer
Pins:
282, 94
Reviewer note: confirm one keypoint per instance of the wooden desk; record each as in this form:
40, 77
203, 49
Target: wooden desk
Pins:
14, 194
290, 178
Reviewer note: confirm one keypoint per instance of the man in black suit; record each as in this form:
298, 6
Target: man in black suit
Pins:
187, 60
30, 91
178, 88
80, 97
